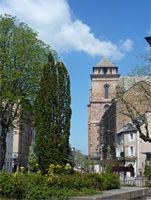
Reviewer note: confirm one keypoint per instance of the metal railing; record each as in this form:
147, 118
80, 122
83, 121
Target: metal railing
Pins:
137, 181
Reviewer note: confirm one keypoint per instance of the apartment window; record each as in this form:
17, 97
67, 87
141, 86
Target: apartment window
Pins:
131, 137
131, 151
143, 164
106, 87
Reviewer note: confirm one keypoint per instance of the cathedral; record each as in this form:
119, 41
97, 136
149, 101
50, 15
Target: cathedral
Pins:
106, 82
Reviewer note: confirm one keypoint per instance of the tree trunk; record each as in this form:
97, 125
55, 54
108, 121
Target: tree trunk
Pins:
4, 130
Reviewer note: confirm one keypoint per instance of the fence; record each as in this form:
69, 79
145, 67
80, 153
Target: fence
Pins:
138, 181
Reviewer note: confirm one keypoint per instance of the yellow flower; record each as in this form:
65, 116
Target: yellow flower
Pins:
15, 175
58, 166
52, 166
39, 172
66, 168
22, 169
36, 165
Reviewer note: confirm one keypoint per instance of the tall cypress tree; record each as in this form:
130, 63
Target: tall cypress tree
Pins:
52, 115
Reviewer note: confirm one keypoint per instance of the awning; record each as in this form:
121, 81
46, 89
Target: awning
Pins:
108, 162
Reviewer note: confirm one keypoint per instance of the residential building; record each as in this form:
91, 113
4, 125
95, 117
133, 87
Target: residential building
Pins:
117, 131
9, 151
21, 141
134, 148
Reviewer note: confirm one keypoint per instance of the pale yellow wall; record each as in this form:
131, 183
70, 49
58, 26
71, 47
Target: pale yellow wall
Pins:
144, 146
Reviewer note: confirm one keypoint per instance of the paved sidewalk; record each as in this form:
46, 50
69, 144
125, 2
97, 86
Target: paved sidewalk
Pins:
124, 193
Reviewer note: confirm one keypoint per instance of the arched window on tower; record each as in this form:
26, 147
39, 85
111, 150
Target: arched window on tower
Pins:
106, 107
106, 87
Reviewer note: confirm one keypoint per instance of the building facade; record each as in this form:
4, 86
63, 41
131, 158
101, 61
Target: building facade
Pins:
118, 132
104, 84
21, 141
133, 147
9, 151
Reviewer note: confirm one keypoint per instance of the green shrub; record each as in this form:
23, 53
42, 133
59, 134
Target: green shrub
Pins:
110, 181
6, 185
147, 184
36, 186
95, 180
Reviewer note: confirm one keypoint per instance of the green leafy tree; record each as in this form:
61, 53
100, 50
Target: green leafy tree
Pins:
22, 56
32, 157
147, 169
109, 156
52, 115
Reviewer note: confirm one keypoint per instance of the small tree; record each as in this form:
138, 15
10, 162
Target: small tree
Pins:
109, 156
52, 115
147, 169
32, 157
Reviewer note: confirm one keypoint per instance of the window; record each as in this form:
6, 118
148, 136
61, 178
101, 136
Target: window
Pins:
131, 151
131, 137
106, 87
105, 70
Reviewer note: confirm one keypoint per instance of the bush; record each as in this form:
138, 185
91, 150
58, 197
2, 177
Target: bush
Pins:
95, 180
110, 181
6, 185
37, 186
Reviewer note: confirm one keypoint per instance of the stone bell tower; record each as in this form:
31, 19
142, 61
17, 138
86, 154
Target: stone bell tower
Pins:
105, 80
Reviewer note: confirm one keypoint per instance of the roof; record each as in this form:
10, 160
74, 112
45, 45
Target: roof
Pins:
126, 82
105, 63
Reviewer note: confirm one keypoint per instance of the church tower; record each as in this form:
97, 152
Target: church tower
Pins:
105, 80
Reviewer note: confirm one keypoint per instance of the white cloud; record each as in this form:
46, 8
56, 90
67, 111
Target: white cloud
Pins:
127, 45
52, 19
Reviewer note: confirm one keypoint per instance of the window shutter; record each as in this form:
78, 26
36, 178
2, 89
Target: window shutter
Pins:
133, 137
129, 137
129, 151
133, 151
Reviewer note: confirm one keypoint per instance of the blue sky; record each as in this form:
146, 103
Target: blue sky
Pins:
83, 32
